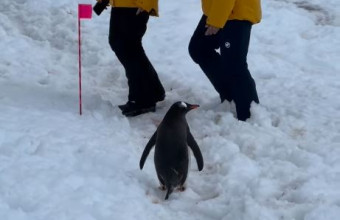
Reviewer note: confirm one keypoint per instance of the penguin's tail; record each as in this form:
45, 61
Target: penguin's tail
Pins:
170, 190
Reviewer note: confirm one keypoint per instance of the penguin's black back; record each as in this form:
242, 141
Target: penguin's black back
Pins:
171, 152
172, 139
171, 143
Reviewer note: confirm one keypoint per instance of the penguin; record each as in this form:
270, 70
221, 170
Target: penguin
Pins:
171, 141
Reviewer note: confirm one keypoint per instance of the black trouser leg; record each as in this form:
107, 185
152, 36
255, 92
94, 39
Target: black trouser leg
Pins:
125, 37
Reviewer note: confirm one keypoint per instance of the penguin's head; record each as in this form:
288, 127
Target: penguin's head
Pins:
183, 107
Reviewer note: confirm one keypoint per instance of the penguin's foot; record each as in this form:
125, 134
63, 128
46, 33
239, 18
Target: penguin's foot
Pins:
181, 188
162, 187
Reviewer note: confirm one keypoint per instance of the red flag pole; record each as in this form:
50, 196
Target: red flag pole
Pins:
84, 12
79, 58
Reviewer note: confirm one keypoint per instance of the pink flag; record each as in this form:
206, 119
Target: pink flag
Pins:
84, 11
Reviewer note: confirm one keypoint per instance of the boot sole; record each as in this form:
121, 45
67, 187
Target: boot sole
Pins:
139, 111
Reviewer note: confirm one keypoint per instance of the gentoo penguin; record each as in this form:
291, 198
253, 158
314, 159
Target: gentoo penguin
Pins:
172, 139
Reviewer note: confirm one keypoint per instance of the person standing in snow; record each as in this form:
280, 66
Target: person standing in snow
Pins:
226, 25
128, 24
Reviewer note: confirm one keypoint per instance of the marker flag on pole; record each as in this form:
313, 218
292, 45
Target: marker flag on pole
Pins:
84, 12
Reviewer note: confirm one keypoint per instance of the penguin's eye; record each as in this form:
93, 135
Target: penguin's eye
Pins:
183, 105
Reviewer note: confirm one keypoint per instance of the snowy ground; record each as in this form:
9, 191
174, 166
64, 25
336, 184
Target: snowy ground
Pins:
282, 164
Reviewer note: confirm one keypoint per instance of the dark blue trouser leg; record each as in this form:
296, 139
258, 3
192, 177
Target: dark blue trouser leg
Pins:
202, 50
227, 70
234, 44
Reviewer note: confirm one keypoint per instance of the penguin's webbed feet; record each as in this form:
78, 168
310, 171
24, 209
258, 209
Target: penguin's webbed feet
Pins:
181, 188
162, 187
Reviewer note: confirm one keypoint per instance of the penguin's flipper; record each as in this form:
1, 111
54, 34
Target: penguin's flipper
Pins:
195, 149
147, 149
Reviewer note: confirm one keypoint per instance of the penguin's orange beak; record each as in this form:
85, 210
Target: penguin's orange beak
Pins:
193, 107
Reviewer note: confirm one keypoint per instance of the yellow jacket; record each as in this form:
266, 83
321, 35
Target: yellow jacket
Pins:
219, 11
148, 5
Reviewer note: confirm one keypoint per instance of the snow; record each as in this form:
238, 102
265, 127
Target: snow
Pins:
283, 163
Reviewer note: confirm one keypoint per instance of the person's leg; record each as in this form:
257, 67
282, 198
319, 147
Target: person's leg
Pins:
202, 50
152, 89
234, 45
118, 34
125, 38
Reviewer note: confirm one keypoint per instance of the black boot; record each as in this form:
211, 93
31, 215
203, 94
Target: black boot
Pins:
131, 108
244, 94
